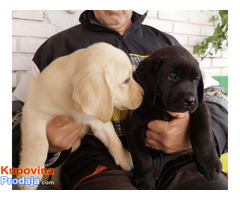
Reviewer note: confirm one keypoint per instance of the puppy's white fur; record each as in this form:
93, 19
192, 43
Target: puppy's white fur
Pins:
86, 85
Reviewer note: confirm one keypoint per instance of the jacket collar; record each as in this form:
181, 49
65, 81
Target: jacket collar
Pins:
88, 20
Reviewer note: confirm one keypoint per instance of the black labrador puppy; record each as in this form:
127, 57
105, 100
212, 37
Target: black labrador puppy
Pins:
172, 81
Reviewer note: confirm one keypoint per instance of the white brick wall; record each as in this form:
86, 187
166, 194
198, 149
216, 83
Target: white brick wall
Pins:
31, 28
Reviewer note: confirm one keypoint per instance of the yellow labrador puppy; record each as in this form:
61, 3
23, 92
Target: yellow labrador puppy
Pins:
87, 85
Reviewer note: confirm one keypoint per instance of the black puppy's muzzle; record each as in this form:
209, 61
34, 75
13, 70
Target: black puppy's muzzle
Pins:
189, 100
181, 103
189, 103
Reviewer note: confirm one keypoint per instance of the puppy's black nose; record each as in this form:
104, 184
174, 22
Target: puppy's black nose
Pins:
189, 101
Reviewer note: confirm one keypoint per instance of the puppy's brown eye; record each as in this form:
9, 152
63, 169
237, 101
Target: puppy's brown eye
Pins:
127, 81
172, 77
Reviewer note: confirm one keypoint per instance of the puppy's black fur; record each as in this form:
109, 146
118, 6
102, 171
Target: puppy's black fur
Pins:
172, 81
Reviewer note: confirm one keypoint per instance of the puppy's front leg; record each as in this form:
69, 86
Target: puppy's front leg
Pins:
142, 160
203, 143
109, 138
34, 147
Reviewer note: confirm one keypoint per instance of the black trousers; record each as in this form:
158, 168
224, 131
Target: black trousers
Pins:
92, 168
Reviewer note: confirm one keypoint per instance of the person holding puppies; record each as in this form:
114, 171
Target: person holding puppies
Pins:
91, 166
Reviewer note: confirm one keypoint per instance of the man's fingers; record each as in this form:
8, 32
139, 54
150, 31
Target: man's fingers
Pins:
62, 132
60, 121
158, 146
75, 132
153, 144
158, 125
153, 135
66, 137
169, 127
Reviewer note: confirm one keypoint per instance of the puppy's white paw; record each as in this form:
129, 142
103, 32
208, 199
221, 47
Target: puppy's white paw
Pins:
29, 181
125, 160
27, 187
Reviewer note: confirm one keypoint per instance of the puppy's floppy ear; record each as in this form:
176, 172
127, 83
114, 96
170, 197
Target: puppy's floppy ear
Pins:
92, 95
200, 90
146, 75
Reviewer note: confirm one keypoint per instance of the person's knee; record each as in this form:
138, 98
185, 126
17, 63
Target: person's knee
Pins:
189, 178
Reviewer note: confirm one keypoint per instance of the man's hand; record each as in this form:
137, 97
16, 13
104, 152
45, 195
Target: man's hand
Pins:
169, 136
62, 132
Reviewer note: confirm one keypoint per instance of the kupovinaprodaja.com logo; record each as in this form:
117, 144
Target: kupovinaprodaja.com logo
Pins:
6, 170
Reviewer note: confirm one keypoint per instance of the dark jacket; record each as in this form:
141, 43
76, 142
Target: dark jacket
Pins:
138, 41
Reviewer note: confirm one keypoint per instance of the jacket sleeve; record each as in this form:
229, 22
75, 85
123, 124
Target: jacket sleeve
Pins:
217, 101
20, 93
16, 131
